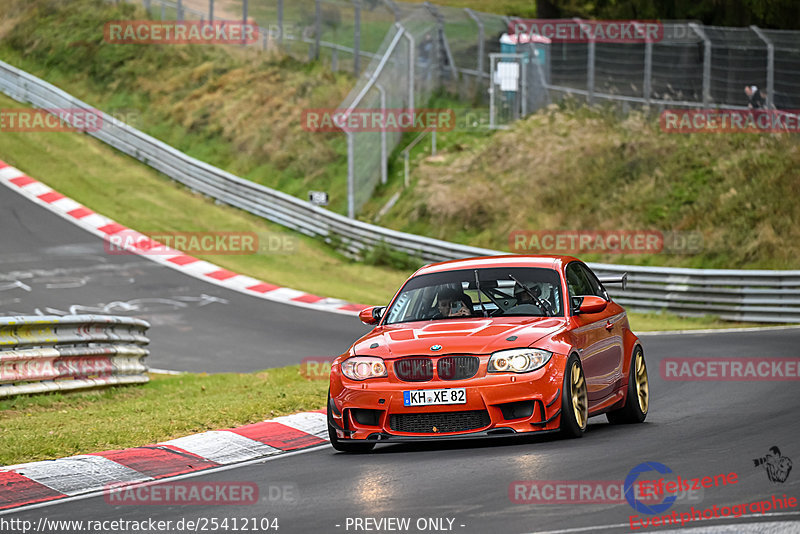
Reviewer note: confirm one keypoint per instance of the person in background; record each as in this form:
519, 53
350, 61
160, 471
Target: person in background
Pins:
754, 98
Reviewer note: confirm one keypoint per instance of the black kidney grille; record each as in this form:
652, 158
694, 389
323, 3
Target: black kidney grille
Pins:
414, 369
434, 423
457, 367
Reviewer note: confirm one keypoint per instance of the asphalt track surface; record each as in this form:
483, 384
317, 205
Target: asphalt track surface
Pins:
695, 428
52, 267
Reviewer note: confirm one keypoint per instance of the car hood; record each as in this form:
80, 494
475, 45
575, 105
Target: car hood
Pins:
464, 336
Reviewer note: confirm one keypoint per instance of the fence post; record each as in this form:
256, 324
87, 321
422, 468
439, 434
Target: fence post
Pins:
357, 38
648, 71
351, 179
395, 10
384, 149
147, 7
442, 38
481, 39
163, 7
769, 100
317, 27
244, 20
492, 63
589, 64
706, 63
280, 22
210, 10
180, 10
411, 65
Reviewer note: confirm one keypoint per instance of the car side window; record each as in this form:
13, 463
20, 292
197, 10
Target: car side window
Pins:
596, 288
577, 284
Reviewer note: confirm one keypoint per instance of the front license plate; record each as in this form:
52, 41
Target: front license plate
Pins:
426, 397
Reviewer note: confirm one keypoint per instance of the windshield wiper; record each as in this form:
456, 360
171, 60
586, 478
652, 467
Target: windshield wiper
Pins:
480, 300
533, 296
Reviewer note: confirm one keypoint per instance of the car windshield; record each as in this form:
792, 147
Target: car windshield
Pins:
504, 292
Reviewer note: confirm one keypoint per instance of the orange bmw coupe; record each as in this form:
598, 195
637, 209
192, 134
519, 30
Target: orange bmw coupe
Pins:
487, 347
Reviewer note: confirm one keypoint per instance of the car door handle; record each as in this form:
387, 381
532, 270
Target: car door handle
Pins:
609, 325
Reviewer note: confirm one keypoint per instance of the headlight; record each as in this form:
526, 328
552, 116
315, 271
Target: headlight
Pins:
363, 367
518, 360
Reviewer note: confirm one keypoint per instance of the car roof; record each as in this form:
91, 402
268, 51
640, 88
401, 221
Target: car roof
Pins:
509, 260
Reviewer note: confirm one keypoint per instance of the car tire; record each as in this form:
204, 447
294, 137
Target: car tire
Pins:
637, 400
345, 446
574, 400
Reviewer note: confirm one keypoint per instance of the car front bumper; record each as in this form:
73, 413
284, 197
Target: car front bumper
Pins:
496, 405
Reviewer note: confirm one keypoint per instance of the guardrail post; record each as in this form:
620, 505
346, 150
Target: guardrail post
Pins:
706, 62
163, 8
210, 10
769, 99
180, 10
481, 39
357, 38
147, 7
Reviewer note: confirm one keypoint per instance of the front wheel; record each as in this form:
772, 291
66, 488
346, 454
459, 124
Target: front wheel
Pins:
345, 446
637, 401
574, 400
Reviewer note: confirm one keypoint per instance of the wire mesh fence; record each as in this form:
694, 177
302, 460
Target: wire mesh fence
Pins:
404, 53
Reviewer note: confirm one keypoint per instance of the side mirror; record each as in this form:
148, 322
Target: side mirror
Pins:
371, 315
592, 304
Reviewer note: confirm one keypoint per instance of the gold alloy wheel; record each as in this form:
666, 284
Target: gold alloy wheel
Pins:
579, 404
642, 385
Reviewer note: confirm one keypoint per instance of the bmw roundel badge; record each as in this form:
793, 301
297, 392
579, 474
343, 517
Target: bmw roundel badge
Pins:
436, 347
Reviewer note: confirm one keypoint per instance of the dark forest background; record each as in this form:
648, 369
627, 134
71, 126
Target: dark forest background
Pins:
777, 14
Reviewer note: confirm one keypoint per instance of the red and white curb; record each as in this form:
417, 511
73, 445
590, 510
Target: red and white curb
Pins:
105, 228
39, 482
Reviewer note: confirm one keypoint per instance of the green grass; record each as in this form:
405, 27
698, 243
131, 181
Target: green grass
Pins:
55, 425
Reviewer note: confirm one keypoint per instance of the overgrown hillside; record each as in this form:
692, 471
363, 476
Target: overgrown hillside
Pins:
581, 169
235, 108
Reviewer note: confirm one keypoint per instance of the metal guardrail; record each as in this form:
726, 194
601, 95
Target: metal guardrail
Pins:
768, 296
55, 353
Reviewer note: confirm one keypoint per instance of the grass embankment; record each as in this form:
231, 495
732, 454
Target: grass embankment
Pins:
582, 169
239, 109
41, 427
